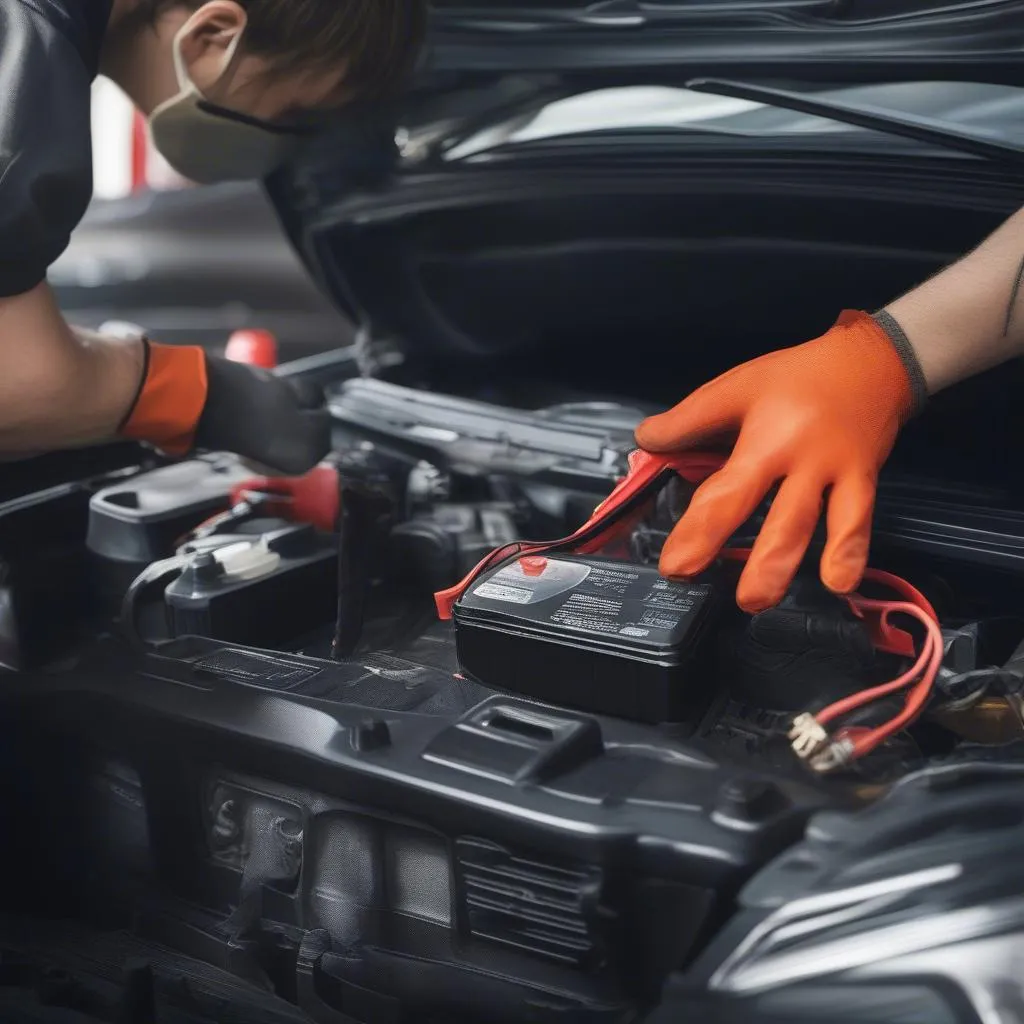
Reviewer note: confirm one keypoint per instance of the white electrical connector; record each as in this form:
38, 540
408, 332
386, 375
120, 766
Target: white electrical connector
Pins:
835, 755
807, 736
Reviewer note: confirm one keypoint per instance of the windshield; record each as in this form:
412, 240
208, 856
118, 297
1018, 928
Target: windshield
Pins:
984, 109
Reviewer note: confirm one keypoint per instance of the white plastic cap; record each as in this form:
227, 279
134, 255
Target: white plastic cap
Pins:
247, 561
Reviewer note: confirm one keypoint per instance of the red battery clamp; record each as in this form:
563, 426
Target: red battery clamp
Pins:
611, 520
614, 518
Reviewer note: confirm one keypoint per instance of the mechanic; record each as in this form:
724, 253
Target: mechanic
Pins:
821, 418
228, 89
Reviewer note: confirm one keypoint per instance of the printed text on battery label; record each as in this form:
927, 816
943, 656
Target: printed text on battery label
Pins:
583, 611
659, 619
668, 599
612, 579
496, 592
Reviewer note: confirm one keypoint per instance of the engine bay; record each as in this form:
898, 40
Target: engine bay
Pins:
430, 490
243, 732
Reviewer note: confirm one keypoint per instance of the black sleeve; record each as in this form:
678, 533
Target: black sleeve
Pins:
45, 145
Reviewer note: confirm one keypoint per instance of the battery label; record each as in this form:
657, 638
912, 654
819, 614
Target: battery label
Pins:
496, 592
671, 595
584, 611
660, 619
612, 581
597, 597
515, 586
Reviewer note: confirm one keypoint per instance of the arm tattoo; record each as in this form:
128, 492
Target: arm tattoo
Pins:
1018, 280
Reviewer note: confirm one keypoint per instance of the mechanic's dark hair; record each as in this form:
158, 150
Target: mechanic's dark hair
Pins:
377, 41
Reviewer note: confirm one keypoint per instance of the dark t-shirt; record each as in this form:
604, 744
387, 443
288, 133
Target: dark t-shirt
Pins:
49, 55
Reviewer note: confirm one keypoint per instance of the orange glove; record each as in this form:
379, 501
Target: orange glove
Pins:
171, 397
188, 399
818, 418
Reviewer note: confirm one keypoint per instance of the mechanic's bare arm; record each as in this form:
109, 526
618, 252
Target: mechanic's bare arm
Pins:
59, 387
62, 387
970, 317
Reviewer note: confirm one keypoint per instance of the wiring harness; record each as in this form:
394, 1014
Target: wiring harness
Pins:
812, 742
825, 751
809, 736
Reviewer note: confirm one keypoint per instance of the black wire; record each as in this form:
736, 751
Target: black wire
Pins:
994, 680
162, 572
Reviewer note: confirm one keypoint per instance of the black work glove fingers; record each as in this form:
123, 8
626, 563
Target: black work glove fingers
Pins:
294, 450
279, 423
307, 394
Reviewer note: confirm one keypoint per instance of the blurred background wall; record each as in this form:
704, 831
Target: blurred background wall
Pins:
190, 264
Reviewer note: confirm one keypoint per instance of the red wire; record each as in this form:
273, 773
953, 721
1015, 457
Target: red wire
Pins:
887, 579
916, 699
857, 700
903, 588
927, 665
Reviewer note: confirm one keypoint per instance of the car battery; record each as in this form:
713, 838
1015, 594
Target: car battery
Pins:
261, 591
596, 634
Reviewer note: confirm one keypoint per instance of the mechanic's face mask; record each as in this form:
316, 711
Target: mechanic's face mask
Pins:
207, 143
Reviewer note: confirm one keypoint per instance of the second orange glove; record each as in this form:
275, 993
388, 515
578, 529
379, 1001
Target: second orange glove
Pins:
819, 420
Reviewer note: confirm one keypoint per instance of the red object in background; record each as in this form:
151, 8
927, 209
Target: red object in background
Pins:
140, 153
254, 347
313, 498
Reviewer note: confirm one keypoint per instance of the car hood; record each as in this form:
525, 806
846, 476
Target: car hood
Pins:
832, 39
378, 195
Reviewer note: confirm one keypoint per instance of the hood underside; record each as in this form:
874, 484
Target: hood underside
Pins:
845, 40
552, 199
524, 91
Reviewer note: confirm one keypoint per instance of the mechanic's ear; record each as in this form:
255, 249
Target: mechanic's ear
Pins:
207, 39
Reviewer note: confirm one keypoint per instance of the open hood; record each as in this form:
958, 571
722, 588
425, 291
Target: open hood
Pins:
835, 39
558, 180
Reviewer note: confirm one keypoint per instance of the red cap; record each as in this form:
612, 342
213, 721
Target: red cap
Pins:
533, 565
256, 348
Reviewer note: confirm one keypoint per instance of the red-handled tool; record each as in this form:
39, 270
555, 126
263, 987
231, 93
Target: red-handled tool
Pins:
313, 498
611, 519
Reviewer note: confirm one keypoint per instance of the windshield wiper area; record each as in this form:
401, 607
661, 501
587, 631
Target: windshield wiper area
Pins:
909, 126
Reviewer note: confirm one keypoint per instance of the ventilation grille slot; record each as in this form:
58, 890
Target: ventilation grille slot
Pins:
535, 907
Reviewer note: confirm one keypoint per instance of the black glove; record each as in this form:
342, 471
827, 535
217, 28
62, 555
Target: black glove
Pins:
279, 423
